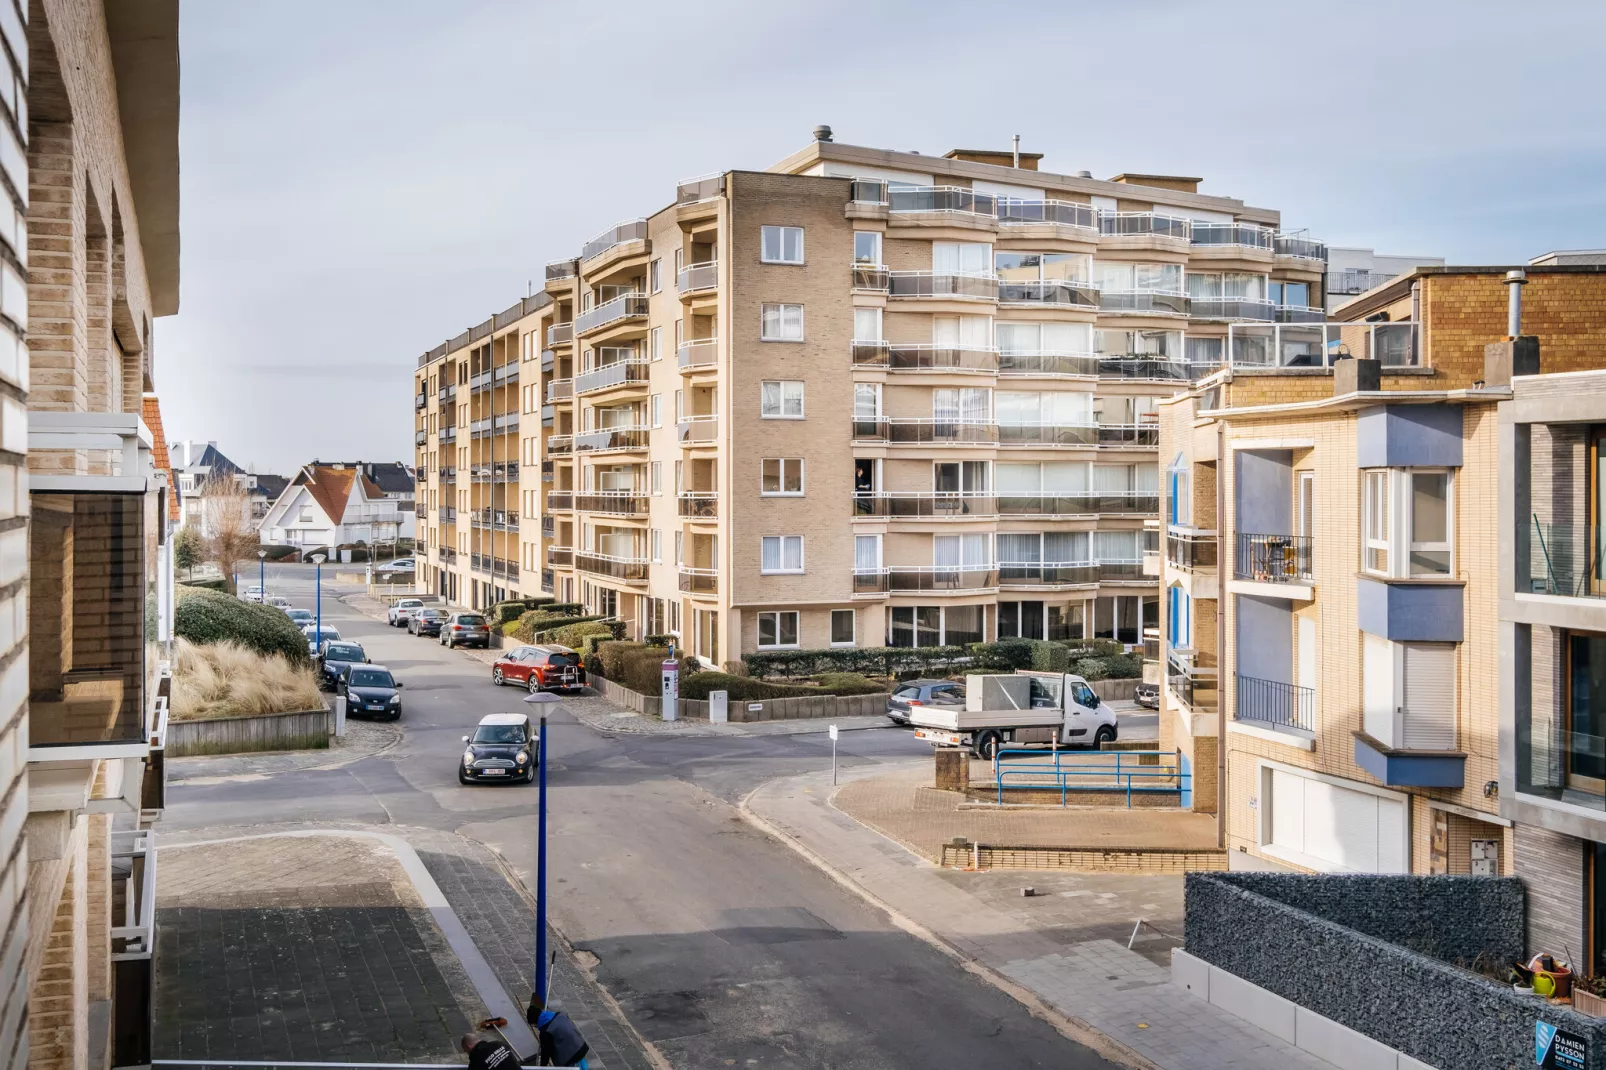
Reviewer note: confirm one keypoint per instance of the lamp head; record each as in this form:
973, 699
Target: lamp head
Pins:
262, 553
317, 559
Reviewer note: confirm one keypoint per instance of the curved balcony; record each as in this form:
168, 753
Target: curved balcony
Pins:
930, 284
699, 505
629, 569
1142, 225
612, 503
698, 354
932, 505
610, 375
871, 278
1147, 302
920, 431
611, 440
1299, 248
698, 278
1056, 293
1250, 236
619, 234
556, 335
925, 357
699, 580
696, 431
925, 579
1025, 213
1230, 308
942, 201
1045, 362
631, 306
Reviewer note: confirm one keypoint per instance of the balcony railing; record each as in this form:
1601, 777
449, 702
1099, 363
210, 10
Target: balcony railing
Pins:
631, 569
446, 393
698, 430
448, 474
1138, 224
872, 277
1078, 504
619, 234
560, 556
698, 353
620, 372
911, 430
932, 284
699, 580
1357, 282
1128, 434
562, 269
1243, 235
559, 334
1230, 308
903, 356
420, 437
1273, 558
901, 430
1194, 678
558, 389
703, 188
559, 445
1163, 302
1315, 345
947, 200
867, 191
1060, 293
1012, 212
925, 578
1277, 704
448, 434
624, 307
614, 503
1561, 561
548, 580
1017, 362
615, 438
446, 554
421, 474
448, 514
925, 504
695, 278
699, 505
1190, 549
559, 501
420, 400
1150, 366
548, 360
1300, 314
1300, 248
1066, 573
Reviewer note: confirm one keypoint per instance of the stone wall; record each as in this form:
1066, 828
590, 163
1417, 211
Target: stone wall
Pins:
236, 735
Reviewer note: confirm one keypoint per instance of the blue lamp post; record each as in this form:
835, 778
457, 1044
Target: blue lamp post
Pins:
545, 700
262, 574
319, 559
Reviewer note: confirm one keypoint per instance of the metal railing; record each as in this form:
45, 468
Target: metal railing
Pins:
1137, 224
624, 307
924, 504
447, 393
928, 578
1165, 302
560, 501
1273, 558
1044, 362
619, 234
701, 188
699, 580
1150, 366
1049, 573
448, 514
1299, 248
1193, 679
613, 438
1078, 504
1231, 308
697, 277
133, 851
1066, 293
1274, 703
947, 200
915, 430
699, 505
420, 437
698, 353
1243, 235
1562, 562
1357, 281
1014, 212
1299, 314
559, 388
632, 569
934, 284
614, 503
1190, 549
867, 191
981, 504
698, 430
560, 556
873, 277
420, 400
548, 359
559, 333
1140, 772
920, 356
607, 376
448, 434
1128, 434
448, 474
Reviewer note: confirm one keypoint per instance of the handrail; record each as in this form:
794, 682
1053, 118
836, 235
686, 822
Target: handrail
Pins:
1128, 766
618, 234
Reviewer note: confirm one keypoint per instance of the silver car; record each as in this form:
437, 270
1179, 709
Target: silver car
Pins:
465, 629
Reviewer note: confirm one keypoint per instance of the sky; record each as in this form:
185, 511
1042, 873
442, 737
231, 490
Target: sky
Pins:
363, 179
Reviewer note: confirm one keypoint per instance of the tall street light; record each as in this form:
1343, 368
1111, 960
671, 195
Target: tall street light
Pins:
545, 700
319, 559
262, 574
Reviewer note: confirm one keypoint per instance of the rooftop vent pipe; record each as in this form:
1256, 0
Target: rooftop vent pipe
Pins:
1016, 152
1515, 281
822, 133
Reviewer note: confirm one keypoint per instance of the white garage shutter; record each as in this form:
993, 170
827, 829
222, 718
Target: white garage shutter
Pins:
1429, 686
1335, 827
1288, 811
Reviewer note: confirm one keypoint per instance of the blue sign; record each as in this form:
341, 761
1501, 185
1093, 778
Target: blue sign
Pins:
1562, 1050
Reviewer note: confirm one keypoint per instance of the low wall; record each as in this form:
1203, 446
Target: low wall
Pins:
307, 730
1115, 690
774, 709
1383, 955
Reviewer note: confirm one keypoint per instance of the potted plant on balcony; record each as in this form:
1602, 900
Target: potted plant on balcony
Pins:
1589, 995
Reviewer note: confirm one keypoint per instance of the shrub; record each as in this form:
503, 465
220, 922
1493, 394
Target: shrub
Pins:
849, 683
662, 640
878, 661
536, 621
279, 553
575, 636
1114, 667
509, 628
229, 680
1050, 657
741, 688
203, 617
504, 612
1006, 655
208, 585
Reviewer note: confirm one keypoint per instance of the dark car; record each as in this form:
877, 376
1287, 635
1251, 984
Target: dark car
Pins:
1147, 696
548, 667
426, 621
371, 691
501, 748
465, 629
922, 693
334, 659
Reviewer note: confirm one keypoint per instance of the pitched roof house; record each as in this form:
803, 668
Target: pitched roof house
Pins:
338, 504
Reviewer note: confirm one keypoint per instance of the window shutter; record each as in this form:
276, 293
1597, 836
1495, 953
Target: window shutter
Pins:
1429, 694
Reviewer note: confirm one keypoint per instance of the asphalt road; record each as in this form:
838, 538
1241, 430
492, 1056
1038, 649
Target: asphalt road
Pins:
722, 946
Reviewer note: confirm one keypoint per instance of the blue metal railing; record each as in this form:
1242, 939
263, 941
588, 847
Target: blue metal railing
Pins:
1085, 771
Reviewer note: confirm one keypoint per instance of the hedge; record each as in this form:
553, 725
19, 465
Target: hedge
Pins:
207, 585
741, 688
536, 621
636, 665
873, 661
1114, 667
203, 616
849, 683
278, 553
575, 636
506, 612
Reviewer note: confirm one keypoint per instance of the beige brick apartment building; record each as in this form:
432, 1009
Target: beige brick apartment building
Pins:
861, 398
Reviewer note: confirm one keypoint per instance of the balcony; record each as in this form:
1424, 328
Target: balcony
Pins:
448, 515
613, 503
548, 580
559, 501
698, 430
1239, 235
549, 527
925, 357
421, 474
610, 440
872, 278
695, 190
1230, 308
1079, 504
420, 437
446, 554
1194, 678
448, 474
1143, 224
559, 389
871, 191
924, 578
1300, 249
699, 505
1047, 434
1190, 549
479, 381
697, 354
1299, 314
559, 445
698, 278
629, 306
620, 234
1073, 214
420, 400
917, 431
629, 569
560, 334
448, 435
1058, 293
1047, 363
548, 470
558, 270
1148, 302
1128, 435
1052, 574
930, 284
1275, 704
699, 580
560, 556
607, 376
1273, 558
549, 360
1315, 345
925, 505
942, 200
446, 393
1150, 366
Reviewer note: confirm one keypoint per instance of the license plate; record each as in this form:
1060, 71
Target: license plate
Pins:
377, 706
493, 772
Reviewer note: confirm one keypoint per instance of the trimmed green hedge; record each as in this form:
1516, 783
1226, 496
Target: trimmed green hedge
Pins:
506, 612
636, 665
1113, 667
741, 688
279, 553
849, 683
203, 616
872, 661
576, 637
535, 621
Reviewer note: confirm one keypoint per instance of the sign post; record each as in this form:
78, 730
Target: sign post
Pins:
543, 701
833, 754
671, 689
340, 715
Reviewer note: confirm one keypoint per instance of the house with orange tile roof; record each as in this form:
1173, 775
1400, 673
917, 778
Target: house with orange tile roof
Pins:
340, 504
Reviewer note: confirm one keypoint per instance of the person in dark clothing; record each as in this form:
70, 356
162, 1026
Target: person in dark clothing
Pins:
488, 1054
561, 1042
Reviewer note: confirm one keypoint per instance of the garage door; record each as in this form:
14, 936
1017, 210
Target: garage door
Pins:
1334, 827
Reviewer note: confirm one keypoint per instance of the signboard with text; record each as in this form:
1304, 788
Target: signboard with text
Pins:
1558, 1048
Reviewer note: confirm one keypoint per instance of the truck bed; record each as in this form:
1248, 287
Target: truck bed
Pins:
954, 719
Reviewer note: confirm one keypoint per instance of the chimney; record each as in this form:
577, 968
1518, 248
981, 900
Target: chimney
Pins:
1518, 354
822, 133
1352, 374
1515, 281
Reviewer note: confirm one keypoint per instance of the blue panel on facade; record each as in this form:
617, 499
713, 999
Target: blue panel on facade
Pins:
1405, 436
1409, 769
1266, 492
1265, 639
1419, 612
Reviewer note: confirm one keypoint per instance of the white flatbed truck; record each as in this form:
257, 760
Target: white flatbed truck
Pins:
1015, 709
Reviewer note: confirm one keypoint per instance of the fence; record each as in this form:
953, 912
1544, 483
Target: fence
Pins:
1144, 772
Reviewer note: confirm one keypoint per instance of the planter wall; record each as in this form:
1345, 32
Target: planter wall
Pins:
1115, 690
307, 730
775, 709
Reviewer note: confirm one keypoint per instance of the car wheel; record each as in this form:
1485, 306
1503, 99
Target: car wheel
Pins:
987, 746
529, 775
1104, 735
497, 677
532, 683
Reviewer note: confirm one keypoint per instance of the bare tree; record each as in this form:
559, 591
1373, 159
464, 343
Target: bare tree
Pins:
226, 524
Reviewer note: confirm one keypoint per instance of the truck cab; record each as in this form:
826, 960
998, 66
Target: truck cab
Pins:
1020, 708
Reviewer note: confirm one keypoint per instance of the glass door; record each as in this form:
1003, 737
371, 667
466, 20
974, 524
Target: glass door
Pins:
1586, 712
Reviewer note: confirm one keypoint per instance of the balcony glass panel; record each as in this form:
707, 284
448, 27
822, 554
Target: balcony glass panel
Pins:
634, 230
559, 333
698, 277
698, 353
1133, 224
1013, 212
706, 188
1248, 235
1302, 248
1395, 345
623, 307
946, 199
932, 284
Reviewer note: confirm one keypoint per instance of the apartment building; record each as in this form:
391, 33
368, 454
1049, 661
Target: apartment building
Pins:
1332, 574
1352, 271
88, 258
862, 398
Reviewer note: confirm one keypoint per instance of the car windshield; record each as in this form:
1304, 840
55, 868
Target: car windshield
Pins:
369, 678
326, 633
470, 618
343, 652
300, 614
432, 614
499, 733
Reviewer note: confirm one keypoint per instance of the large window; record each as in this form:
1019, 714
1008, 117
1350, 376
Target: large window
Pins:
781, 554
867, 247
1165, 345
867, 325
1585, 712
781, 399
1156, 278
909, 626
1408, 521
844, 627
1409, 694
1293, 294
1072, 339
782, 323
777, 629
782, 476
1231, 284
1042, 267
961, 258
783, 245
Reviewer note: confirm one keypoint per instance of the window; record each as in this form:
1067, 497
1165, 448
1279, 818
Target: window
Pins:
305, 516
867, 325
961, 258
782, 475
680, 548
782, 323
1408, 694
781, 553
843, 627
1375, 525
867, 247
1156, 278
935, 625
1292, 294
866, 553
657, 539
655, 472
653, 277
781, 399
778, 628
655, 406
783, 245
655, 341
866, 401
1408, 521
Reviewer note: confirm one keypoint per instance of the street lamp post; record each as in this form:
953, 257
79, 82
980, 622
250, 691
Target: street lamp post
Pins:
262, 574
545, 700
319, 559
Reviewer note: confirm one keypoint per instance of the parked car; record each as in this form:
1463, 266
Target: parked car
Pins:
252, 593
279, 602
401, 609
301, 618
370, 690
922, 693
334, 658
1147, 696
548, 667
317, 637
426, 621
465, 629
501, 748
401, 564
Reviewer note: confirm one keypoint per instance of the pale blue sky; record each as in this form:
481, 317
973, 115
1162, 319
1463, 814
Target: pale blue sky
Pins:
364, 178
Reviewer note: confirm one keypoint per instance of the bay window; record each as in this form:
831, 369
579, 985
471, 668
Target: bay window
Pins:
1408, 521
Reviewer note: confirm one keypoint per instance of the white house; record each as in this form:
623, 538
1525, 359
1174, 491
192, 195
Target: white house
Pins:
337, 504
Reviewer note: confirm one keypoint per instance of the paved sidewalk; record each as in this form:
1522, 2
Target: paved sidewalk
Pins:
363, 739
1077, 971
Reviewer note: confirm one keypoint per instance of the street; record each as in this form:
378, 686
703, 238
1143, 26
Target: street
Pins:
720, 945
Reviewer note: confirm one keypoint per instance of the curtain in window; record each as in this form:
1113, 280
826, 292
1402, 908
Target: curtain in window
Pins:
1017, 549
1116, 546
866, 401
1114, 276
1203, 285
1018, 479
1067, 337
974, 405
866, 552
1065, 477
1020, 337
945, 406
1146, 478
1112, 478
1016, 409
1065, 547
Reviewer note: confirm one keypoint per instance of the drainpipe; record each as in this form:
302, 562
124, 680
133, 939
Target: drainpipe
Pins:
1515, 281
1221, 639
1017, 151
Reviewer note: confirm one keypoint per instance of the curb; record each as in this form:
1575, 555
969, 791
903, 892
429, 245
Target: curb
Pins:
1070, 1027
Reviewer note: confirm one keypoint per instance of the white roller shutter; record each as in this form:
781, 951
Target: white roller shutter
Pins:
1377, 688
1288, 811
1325, 826
1429, 696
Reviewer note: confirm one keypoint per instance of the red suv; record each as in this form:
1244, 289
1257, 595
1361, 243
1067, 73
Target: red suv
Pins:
540, 668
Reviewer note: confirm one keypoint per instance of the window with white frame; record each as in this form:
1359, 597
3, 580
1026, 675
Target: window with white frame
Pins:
654, 284
777, 628
961, 258
1409, 694
655, 407
867, 325
655, 471
1408, 521
781, 399
866, 553
655, 342
866, 401
782, 245
657, 546
782, 323
782, 476
781, 553
867, 247
844, 627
